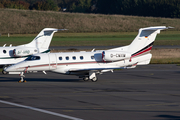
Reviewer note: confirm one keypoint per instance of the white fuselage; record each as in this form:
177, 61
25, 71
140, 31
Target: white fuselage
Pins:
71, 62
8, 57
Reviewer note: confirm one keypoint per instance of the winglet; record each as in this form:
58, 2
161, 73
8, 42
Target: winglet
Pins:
169, 27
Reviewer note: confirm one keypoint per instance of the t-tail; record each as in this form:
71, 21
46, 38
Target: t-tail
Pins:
143, 42
40, 44
43, 39
138, 52
141, 46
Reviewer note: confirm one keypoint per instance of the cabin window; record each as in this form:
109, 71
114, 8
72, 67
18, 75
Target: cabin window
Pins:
92, 57
81, 57
60, 58
4, 51
33, 58
67, 58
74, 57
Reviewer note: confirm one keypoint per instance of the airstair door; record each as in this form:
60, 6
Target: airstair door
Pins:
52, 61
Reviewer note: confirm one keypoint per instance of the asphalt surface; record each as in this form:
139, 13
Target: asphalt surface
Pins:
149, 92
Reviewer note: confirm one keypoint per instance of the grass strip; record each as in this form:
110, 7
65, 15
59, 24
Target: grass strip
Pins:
93, 39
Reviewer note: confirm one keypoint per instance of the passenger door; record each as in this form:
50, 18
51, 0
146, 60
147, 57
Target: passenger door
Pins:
52, 61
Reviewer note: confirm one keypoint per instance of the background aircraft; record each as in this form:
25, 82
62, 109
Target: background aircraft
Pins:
87, 64
14, 54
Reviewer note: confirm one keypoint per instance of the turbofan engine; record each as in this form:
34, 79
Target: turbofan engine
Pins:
24, 52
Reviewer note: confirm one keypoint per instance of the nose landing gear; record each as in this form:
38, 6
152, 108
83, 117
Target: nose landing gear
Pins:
22, 78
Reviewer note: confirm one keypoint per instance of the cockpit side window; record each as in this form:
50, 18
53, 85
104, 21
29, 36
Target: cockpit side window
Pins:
33, 58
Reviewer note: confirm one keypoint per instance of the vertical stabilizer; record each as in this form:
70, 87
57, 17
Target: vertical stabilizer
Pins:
143, 42
43, 39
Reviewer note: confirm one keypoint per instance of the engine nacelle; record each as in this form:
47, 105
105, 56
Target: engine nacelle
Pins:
24, 51
115, 55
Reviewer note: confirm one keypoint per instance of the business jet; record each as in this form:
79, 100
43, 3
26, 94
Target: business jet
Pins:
14, 54
87, 65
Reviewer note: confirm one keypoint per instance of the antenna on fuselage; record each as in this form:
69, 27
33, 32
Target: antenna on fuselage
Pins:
93, 50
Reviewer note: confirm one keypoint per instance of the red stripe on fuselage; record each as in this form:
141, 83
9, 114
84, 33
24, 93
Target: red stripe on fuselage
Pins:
72, 63
146, 50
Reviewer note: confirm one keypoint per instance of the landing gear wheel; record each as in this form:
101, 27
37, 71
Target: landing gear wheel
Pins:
4, 72
85, 78
22, 81
94, 79
22, 78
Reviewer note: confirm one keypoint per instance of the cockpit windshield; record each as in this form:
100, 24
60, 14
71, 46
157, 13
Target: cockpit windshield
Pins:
33, 58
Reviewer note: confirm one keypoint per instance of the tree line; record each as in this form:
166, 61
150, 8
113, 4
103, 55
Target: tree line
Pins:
155, 8
29, 4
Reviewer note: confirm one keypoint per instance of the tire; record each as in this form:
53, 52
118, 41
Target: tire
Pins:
85, 78
94, 79
4, 72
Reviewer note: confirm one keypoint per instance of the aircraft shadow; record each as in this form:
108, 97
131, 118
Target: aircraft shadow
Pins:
10, 79
169, 117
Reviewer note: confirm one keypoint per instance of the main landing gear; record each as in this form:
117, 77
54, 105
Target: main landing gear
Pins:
92, 77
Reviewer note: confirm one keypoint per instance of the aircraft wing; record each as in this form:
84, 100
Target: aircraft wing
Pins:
101, 68
92, 69
98, 69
